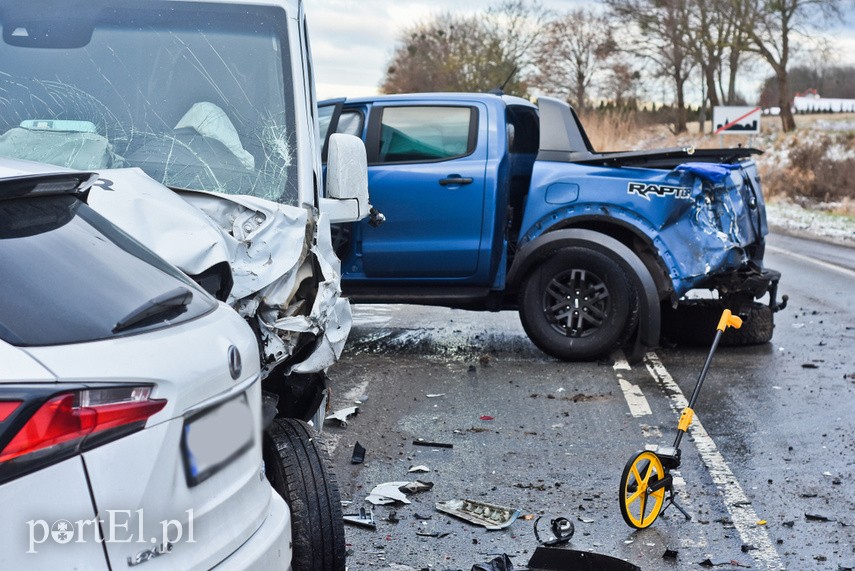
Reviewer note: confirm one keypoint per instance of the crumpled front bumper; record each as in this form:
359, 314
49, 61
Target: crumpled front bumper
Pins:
286, 276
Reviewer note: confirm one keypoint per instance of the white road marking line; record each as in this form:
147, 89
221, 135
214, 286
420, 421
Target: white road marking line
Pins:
621, 363
737, 503
638, 405
803, 258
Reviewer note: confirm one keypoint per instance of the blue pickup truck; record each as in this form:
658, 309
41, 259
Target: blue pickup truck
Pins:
494, 203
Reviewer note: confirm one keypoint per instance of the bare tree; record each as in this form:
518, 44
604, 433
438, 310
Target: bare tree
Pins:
451, 52
517, 25
446, 53
621, 84
571, 52
661, 25
772, 26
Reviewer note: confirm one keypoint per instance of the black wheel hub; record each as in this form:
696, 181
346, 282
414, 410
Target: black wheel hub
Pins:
576, 303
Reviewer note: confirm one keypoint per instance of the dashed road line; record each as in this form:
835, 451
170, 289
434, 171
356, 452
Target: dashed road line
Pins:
736, 502
638, 405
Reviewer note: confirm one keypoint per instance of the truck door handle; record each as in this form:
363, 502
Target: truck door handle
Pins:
455, 179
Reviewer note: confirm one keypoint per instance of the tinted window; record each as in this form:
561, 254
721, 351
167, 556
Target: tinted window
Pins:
523, 129
70, 276
411, 134
197, 95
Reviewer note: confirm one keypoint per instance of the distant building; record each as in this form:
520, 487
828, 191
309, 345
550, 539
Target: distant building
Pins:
810, 101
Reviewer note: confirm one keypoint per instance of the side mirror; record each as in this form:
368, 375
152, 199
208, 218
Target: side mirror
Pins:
347, 179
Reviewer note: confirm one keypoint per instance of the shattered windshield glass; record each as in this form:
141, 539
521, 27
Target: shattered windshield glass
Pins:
194, 94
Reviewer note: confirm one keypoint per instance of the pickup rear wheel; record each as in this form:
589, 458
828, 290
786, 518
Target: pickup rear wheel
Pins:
577, 304
301, 472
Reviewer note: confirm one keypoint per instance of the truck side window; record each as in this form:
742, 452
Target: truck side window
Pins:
526, 127
426, 134
350, 123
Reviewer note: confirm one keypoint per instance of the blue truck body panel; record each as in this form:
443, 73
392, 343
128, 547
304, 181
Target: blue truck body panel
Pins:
699, 228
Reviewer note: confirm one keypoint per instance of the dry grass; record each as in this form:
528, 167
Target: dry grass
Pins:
612, 130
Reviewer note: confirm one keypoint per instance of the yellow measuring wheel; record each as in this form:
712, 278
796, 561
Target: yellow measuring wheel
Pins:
640, 504
647, 476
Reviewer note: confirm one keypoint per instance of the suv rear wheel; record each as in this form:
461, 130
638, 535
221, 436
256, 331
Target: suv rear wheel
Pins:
301, 472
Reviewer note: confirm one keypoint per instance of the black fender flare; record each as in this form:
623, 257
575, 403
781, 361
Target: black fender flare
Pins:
545, 246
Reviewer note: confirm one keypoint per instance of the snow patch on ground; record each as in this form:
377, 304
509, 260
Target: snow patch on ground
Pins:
791, 218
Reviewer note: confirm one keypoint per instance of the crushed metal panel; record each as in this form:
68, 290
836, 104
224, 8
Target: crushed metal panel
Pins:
266, 245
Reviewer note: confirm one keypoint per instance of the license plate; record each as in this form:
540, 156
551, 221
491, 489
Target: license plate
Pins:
214, 437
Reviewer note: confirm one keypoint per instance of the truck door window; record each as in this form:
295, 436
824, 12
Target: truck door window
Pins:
426, 134
350, 123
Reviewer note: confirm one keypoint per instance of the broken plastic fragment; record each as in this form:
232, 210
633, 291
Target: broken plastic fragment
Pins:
433, 534
392, 492
421, 442
435, 395
363, 518
559, 559
500, 563
562, 530
418, 470
358, 456
388, 493
341, 415
490, 516
417, 486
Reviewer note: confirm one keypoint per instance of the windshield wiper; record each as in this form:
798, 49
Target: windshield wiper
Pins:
175, 299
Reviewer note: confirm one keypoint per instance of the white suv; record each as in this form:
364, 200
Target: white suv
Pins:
130, 408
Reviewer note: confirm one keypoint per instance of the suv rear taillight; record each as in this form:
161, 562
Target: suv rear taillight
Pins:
69, 422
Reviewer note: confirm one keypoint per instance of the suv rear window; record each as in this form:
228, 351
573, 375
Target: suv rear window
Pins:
70, 276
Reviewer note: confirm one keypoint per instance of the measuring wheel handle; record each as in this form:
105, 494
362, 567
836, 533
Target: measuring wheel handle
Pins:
646, 477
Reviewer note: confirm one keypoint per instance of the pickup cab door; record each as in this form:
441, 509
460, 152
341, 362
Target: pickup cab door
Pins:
426, 174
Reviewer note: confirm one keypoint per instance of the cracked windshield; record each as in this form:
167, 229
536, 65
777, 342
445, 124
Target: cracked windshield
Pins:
195, 97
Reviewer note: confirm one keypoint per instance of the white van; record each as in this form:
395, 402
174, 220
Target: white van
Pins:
201, 120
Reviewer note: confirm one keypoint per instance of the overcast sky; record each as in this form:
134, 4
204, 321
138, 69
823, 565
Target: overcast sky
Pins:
353, 40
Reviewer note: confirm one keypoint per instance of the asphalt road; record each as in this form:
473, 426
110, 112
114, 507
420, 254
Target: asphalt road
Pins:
768, 473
